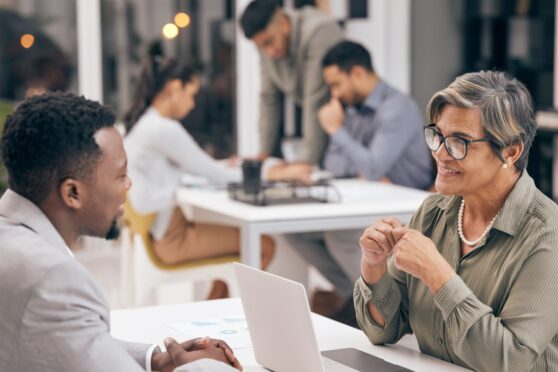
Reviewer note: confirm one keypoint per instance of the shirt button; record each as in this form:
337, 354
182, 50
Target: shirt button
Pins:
440, 341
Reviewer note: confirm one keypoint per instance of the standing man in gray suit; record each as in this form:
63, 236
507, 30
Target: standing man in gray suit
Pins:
291, 45
67, 178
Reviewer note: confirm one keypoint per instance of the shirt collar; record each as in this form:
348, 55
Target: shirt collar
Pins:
21, 210
372, 100
514, 209
449, 203
516, 206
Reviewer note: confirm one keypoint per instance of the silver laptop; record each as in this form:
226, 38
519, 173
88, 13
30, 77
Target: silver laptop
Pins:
280, 325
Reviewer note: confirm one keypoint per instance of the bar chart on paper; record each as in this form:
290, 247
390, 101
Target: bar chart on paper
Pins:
232, 330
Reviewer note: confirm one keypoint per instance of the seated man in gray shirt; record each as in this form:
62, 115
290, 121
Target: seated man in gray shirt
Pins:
375, 132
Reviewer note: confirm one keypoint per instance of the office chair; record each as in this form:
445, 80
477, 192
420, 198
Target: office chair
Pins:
143, 274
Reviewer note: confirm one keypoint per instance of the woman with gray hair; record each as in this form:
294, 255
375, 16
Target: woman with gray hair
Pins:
475, 274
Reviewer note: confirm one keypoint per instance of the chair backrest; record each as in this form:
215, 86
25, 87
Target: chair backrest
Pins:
139, 223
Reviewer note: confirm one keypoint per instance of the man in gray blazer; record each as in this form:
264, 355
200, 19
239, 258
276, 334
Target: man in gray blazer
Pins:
292, 45
67, 178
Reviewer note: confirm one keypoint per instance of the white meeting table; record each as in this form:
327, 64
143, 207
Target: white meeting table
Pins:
362, 202
150, 325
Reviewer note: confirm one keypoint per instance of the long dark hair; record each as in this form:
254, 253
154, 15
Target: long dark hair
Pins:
156, 72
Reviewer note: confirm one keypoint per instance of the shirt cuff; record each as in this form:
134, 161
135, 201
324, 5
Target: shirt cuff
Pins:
380, 293
148, 357
454, 292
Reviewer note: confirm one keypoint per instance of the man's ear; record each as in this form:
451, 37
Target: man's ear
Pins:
358, 72
72, 193
173, 86
284, 23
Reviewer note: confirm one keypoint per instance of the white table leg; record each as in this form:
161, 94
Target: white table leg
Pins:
250, 249
555, 165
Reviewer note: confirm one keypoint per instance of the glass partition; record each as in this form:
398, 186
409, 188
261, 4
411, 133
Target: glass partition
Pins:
38, 47
200, 33
38, 52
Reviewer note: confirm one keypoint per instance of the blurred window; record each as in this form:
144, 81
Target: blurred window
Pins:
200, 33
38, 52
38, 47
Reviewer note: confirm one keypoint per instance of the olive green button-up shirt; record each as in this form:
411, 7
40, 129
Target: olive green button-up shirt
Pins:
500, 313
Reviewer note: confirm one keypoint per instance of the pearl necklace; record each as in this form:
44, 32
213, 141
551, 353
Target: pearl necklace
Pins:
471, 243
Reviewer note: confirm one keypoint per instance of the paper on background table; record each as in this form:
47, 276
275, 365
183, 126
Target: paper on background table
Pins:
232, 330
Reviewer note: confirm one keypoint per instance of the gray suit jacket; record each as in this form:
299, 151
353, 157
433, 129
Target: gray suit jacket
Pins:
298, 75
53, 317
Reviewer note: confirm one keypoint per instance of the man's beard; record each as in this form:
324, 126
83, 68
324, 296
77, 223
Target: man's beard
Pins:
114, 231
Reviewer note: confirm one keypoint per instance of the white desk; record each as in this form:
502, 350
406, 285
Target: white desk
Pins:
149, 325
362, 203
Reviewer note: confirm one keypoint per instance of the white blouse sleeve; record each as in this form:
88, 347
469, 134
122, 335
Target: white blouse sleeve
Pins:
176, 144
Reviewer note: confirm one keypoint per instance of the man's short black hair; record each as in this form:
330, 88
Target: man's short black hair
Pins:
346, 55
50, 138
257, 16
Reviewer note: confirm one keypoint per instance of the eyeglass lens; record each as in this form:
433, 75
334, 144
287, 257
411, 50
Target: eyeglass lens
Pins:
455, 146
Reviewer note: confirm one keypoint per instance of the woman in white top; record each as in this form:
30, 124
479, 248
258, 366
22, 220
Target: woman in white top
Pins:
159, 151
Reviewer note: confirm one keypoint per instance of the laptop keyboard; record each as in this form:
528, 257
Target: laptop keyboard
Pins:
331, 365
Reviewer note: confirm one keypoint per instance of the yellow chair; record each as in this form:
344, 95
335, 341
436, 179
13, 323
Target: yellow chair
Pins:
143, 274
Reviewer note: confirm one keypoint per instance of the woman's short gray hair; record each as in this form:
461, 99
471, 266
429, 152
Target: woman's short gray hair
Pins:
504, 103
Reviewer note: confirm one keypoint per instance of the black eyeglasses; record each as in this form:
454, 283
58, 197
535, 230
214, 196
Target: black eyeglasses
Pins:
455, 146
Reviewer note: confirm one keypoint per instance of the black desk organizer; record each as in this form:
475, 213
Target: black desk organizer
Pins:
281, 192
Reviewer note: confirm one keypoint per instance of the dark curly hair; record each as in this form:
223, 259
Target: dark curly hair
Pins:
346, 55
50, 138
257, 15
